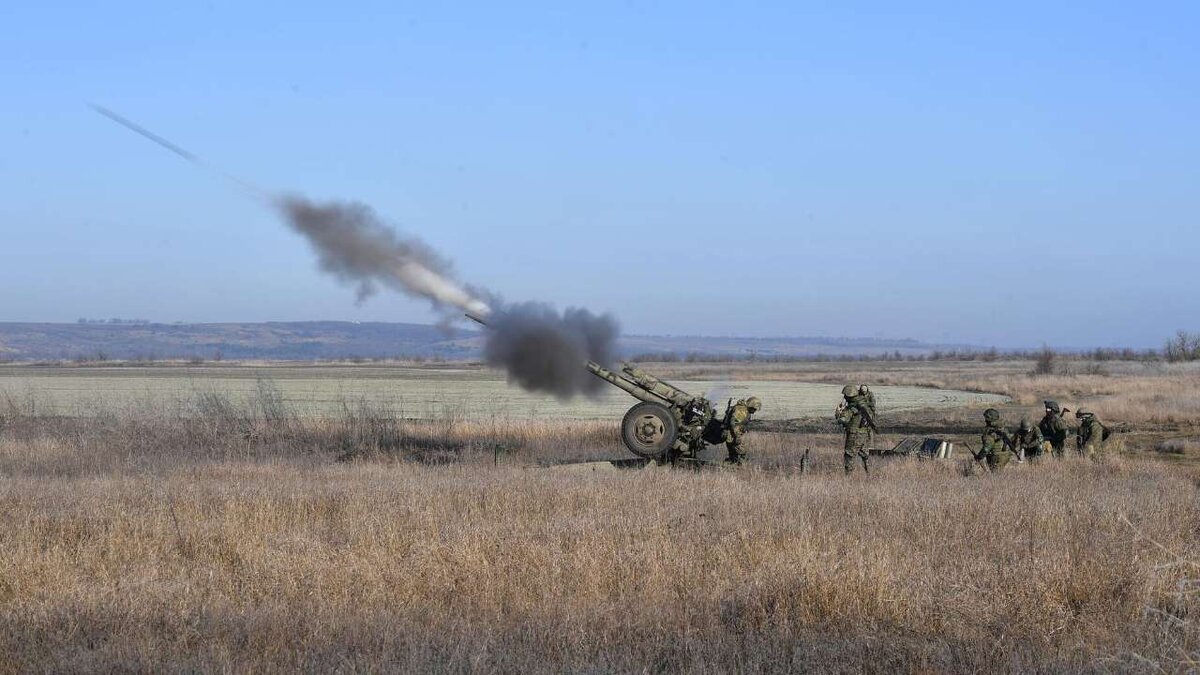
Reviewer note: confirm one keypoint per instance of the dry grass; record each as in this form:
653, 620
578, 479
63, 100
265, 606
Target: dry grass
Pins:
220, 541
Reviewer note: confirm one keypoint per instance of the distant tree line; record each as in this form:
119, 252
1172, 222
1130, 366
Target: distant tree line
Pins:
1183, 347
112, 322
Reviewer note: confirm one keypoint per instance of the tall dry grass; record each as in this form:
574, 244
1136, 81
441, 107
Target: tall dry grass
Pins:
234, 542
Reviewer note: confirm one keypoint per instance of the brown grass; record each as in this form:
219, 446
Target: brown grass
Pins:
225, 543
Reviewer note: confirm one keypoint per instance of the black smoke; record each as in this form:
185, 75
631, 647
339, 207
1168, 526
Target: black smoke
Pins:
543, 350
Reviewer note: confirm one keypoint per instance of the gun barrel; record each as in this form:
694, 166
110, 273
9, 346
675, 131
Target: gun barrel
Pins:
627, 385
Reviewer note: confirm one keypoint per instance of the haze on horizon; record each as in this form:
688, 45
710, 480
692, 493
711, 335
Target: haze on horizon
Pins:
1009, 176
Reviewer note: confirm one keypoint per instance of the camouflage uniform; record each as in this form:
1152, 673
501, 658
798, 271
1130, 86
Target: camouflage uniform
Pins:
869, 396
1054, 430
1089, 438
994, 445
858, 431
1028, 441
736, 420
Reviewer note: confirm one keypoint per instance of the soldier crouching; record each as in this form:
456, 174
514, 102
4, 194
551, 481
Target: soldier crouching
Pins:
1054, 430
995, 443
1090, 437
1028, 441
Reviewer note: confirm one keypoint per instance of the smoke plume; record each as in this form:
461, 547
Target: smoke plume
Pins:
542, 350
356, 247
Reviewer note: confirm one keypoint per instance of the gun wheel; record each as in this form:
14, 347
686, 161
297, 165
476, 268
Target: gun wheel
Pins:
649, 430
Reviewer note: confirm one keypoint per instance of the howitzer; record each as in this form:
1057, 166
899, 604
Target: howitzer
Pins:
668, 422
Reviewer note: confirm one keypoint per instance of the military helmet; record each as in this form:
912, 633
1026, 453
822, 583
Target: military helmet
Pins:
1053, 406
991, 415
1024, 424
753, 404
1081, 413
849, 391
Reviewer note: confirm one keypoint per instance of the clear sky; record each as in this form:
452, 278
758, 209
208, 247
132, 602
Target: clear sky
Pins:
1004, 174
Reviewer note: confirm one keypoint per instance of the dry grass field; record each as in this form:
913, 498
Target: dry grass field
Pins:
253, 539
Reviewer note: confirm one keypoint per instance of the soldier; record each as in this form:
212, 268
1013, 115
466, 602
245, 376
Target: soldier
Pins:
869, 396
1028, 440
995, 443
736, 419
1054, 429
1090, 437
856, 418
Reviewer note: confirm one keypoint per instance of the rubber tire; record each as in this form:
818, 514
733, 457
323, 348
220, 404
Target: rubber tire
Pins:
670, 431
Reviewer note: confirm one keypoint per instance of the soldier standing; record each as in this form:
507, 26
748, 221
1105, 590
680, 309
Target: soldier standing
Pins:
736, 419
868, 396
1089, 438
857, 420
1054, 429
1028, 440
995, 443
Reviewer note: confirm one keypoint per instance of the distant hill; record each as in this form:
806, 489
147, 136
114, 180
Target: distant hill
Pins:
314, 340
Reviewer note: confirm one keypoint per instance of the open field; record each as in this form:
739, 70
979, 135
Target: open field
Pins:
472, 392
250, 536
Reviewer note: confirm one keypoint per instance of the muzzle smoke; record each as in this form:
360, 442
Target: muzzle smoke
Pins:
545, 351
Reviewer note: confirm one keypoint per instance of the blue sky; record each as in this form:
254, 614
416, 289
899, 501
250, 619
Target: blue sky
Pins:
1008, 175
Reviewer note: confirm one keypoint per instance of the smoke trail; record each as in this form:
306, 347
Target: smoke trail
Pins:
353, 245
542, 350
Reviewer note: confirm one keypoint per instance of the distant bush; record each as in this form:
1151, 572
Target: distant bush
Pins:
1044, 365
1184, 346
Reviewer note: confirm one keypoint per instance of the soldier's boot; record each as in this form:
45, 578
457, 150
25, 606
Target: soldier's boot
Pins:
848, 463
864, 456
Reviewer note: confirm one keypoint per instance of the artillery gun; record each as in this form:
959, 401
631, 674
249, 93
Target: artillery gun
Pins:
669, 423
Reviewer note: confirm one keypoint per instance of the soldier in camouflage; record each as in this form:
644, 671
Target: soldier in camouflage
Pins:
995, 442
736, 419
868, 396
1089, 438
1054, 429
1028, 440
850, 415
